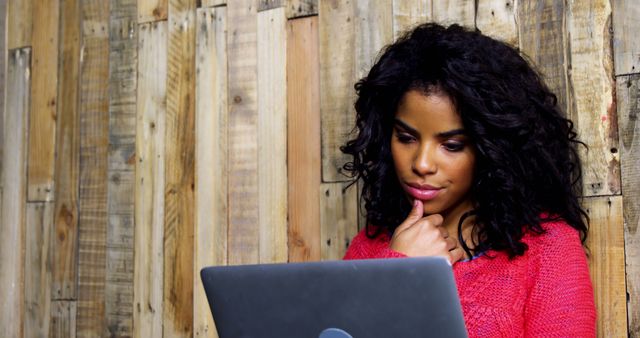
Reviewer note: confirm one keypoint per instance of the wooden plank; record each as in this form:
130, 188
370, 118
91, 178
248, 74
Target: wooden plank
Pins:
211, 151
626, 46
374, 30
628, 97
37, 275
94, 146
149, 191
303, 136
409, 13
179, 214
63, 319
3, 72
338, 219
19, 23
293, 8
243, 130
64, 243
14, 180
606, 263
497, 18
462, 12
42, 121
337, 71
595, 115
211, 3
152, 10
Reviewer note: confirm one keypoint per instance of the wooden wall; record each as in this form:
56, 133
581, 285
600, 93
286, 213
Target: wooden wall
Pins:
143, 140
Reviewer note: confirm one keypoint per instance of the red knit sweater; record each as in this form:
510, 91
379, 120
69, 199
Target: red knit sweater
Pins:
546, 292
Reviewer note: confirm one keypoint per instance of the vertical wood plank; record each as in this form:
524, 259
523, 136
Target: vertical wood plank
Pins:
14, 180
300, 8
462, 12
497, 18
303, 137
63, 319
606, 264
211, 152
94, 144
626, 46
211, 3
374, 30
338, 218
19, 21
243, 129
592, 83
272, 135
3, 73
64, 243
628, 97
152, 10
37, 275
409, 13
149, 190
337, 71
42, 122
179, 171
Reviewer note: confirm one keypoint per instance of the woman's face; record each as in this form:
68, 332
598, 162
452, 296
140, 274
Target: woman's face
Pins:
432, 155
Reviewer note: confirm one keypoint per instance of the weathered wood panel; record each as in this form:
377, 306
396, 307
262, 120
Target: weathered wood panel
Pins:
497, 18
373, 30
628, 97
152, 10
462, 12
3, 72
337, 71
606, 263
14, 194
42, 121
211, 154
243, 130
19, 23
149, 190
94, 144
338, 218
63, 319
37, 275
293, 8
211, 3
626, 45
303, 128
179, 171
409, 13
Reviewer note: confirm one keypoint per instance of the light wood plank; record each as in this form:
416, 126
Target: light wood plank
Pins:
462, 12
94, 146
63, 319
14, 180
626, 45
628, 96
497, 18
595, 115
37, 275
409, 13
19, 23
64, 243
337, 71
374, 30
211, 3
338, 219
243, 130
44, 104
179, 214
303, 125
211, 151
606, 263
152, 10
149, 190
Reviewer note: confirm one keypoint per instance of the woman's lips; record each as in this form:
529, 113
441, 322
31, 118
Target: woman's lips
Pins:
423, 193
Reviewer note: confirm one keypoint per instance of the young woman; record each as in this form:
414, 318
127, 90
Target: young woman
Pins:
465, 154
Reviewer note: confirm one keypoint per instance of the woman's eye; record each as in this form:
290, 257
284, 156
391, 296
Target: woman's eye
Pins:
404, 138
453, 146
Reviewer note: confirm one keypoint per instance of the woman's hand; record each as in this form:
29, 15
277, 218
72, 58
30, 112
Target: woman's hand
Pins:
424, 236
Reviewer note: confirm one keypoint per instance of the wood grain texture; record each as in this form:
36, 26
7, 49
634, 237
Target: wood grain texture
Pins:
37, 275
44, 104
243, 130
211, 3
19, 23
606, 263
374, 30
591, 75
409, 13
626, 46
303, 137
462, 12
293, 8
94, 146
211, 176
338, 219
63, 319
628, 97
14, 194
179, 210
152, 10
497, 18
149, 180
3, 73
337, 71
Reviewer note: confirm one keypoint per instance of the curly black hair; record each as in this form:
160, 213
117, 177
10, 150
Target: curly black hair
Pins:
527, 167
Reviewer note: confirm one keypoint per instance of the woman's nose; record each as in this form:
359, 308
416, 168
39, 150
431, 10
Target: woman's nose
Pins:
424, 162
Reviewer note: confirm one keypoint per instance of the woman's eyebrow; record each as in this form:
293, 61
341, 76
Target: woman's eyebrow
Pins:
443, 134
453, 132
405, 126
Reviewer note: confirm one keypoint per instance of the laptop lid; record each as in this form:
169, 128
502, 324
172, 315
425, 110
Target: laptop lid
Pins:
405, 297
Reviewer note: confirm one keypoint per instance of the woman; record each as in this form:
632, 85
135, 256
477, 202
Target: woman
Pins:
463, 153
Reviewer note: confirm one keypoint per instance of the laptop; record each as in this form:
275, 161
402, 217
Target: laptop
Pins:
375, 298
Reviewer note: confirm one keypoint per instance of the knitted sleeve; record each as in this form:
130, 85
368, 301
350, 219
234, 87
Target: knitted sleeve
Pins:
363, 247
560, 301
